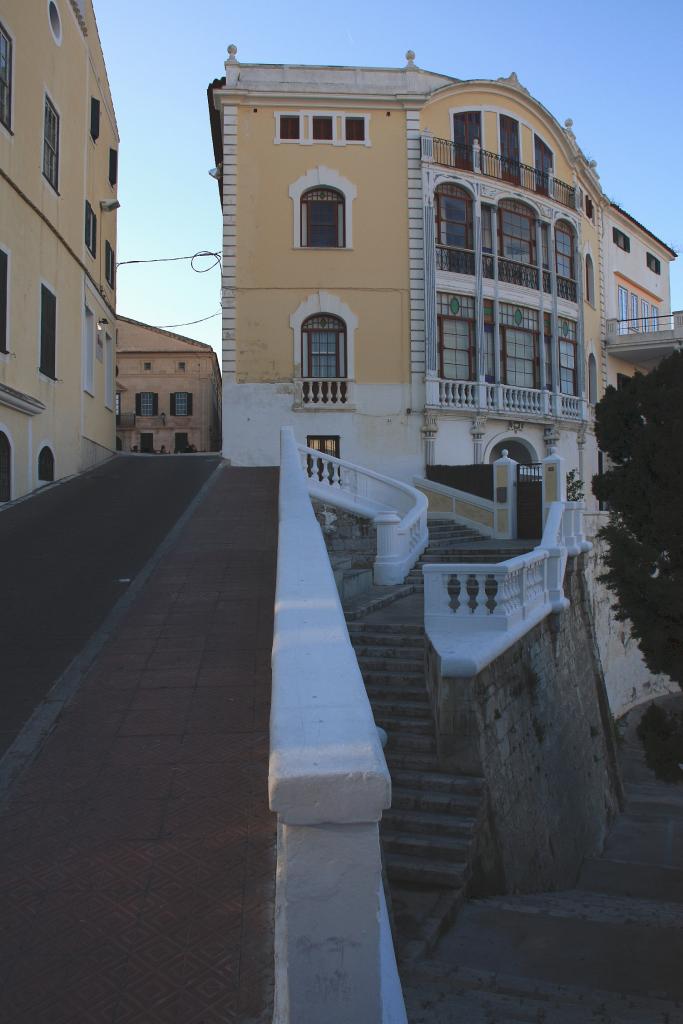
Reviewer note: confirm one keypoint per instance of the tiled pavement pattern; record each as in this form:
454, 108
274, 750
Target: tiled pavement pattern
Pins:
137, 852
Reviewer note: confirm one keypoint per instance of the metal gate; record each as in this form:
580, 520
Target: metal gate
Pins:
530, 501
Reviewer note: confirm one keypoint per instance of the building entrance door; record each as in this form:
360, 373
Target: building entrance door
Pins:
147, 443
530, 501
181, 444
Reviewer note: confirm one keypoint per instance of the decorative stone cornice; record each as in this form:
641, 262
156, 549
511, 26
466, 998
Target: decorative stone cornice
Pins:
20, 401
79, 10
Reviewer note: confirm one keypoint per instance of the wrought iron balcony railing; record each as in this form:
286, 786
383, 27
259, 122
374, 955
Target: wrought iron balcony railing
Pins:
511, 272
493, 165
125, 419
566, 288
457, 261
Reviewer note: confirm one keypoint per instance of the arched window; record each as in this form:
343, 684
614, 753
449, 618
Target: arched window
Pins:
516, 232
592, 380
46, 464
590, 281
322, 219
454, 217
5, 468
323, 346
564, 250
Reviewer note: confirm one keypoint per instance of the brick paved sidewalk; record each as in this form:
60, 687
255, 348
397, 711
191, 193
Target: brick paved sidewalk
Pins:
137, 853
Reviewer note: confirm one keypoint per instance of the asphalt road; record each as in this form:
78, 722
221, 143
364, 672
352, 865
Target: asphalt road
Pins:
63, 554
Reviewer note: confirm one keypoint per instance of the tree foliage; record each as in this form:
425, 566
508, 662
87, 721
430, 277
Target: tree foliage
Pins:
640, 428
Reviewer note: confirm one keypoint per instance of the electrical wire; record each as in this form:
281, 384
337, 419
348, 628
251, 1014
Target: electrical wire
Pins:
203, 270
188, 323
175, 259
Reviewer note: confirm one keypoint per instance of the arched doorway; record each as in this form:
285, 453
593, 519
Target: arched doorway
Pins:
520, 451
5, 468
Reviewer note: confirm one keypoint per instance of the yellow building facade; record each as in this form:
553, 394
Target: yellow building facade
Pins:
58, 184
168, 391
415, 268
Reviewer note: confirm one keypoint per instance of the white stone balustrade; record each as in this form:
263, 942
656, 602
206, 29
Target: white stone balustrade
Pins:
323, 392
476, 611
328, 783
398, 510
503, 398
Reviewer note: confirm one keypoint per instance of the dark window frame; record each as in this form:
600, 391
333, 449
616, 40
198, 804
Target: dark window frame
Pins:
46, 464
562, 228
113, 166
6, 80
109, 264
442, 194
4, 301
291, 120
653, 263
48, 333
621, 240
94, 118
509, 148
567, 371
320, 122
90, 230
51, 145
312, 234
5, 467
517, 209
309, 329
535, 359
544, 161
442, 319
143, 395
327, 444
175, 395
354, 122
466, 128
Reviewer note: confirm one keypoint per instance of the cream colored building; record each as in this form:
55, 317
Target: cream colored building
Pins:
416, 268
58, 179
168, 391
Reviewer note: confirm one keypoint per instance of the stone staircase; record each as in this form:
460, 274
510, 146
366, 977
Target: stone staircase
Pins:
451, 542
429, 835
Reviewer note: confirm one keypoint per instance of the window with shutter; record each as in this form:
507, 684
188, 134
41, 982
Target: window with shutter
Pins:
94, 119
90, 229
109, 264
48, 327
113, 166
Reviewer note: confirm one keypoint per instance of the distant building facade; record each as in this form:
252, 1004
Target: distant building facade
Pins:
58, 184
168, 391
423, 271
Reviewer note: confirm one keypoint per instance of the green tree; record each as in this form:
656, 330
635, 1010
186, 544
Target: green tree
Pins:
640, 428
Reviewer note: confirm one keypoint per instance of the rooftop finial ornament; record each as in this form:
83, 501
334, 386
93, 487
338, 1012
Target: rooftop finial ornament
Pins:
232, 51
569, 123
410, 57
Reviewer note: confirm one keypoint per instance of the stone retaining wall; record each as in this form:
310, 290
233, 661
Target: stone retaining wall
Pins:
536, 724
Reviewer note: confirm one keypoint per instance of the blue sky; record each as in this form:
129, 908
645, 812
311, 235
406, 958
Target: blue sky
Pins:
606, 64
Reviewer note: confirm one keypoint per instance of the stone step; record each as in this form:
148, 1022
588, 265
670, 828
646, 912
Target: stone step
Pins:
393, 641
395, 724
374, 600
447, 874
412, 742
436, 781
588, 906
401, 665
404, 821
381, 629
435, 801
453, 849
394, 678
402, 760
414, 652
390, 693
402, 709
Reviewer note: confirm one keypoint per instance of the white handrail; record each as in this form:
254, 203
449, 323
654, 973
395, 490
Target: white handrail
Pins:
329, 783
398, 510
